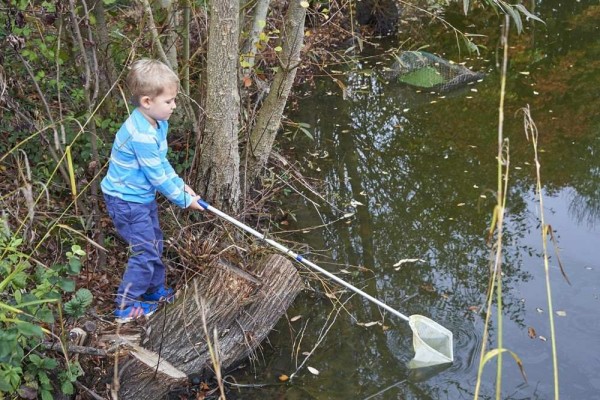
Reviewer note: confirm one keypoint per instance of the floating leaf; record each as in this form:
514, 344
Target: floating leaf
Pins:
460, 204
542, 338
407, 260
561, 313
428, 287
313, 371
304, 4
531, 332
368, 324
283, 378
539, 310
296, 318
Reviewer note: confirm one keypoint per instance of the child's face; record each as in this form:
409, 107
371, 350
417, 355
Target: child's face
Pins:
159, 108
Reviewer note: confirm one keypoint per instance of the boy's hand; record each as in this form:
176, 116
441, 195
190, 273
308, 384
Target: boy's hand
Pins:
194, 204
189, 191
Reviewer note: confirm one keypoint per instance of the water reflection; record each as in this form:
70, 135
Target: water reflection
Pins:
419, 171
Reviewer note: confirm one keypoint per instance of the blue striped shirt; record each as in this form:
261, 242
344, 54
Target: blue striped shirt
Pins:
138, 164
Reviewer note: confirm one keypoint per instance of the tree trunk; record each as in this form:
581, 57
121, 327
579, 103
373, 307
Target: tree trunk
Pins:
259, 21
219, 160
170, 39
109, 73
242, 306
269, 118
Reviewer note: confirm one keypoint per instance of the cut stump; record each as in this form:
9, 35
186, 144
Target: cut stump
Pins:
241, 306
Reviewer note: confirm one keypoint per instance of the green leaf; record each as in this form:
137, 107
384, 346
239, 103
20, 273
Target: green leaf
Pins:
68, 285
527, 13
471, 47
67, 387
47, 395
516, 17
306, 132
79, 303
29, 329
35, 359
74, 266
45, 315
77, 250
8, 344
10, 378
45, 363
43, 378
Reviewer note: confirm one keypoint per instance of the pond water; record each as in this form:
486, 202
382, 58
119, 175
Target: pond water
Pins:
419, 173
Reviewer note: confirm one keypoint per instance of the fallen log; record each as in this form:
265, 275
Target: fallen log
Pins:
241, 306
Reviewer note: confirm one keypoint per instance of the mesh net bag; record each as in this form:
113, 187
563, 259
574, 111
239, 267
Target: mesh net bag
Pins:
428, 71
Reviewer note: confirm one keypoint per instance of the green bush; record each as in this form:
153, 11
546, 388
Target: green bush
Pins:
30, 304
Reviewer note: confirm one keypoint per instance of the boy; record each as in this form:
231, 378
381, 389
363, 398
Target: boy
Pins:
138, 168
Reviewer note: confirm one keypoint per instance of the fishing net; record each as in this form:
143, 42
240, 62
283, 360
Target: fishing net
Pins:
431, 341
428, 71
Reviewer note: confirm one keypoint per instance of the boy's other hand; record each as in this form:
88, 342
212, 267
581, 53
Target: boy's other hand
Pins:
194, 204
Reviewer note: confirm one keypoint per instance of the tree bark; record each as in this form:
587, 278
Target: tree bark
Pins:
170, 39
268, 121
243, 307
219, 160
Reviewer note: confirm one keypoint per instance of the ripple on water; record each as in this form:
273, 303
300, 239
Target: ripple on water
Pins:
467, 345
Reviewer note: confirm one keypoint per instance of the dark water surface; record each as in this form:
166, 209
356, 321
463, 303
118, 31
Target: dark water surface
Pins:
419, 173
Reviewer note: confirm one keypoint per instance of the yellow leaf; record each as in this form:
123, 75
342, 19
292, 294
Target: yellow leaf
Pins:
278, 49
304, 4
283, 378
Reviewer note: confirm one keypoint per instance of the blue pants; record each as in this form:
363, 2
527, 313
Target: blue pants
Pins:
138, 225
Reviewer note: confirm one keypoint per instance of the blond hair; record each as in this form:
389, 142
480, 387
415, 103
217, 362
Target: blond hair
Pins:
149, 78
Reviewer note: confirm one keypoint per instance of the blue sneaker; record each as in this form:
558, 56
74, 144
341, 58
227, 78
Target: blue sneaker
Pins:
134, 311
162, 294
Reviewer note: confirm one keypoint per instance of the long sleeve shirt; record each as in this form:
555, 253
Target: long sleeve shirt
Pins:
138, 166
